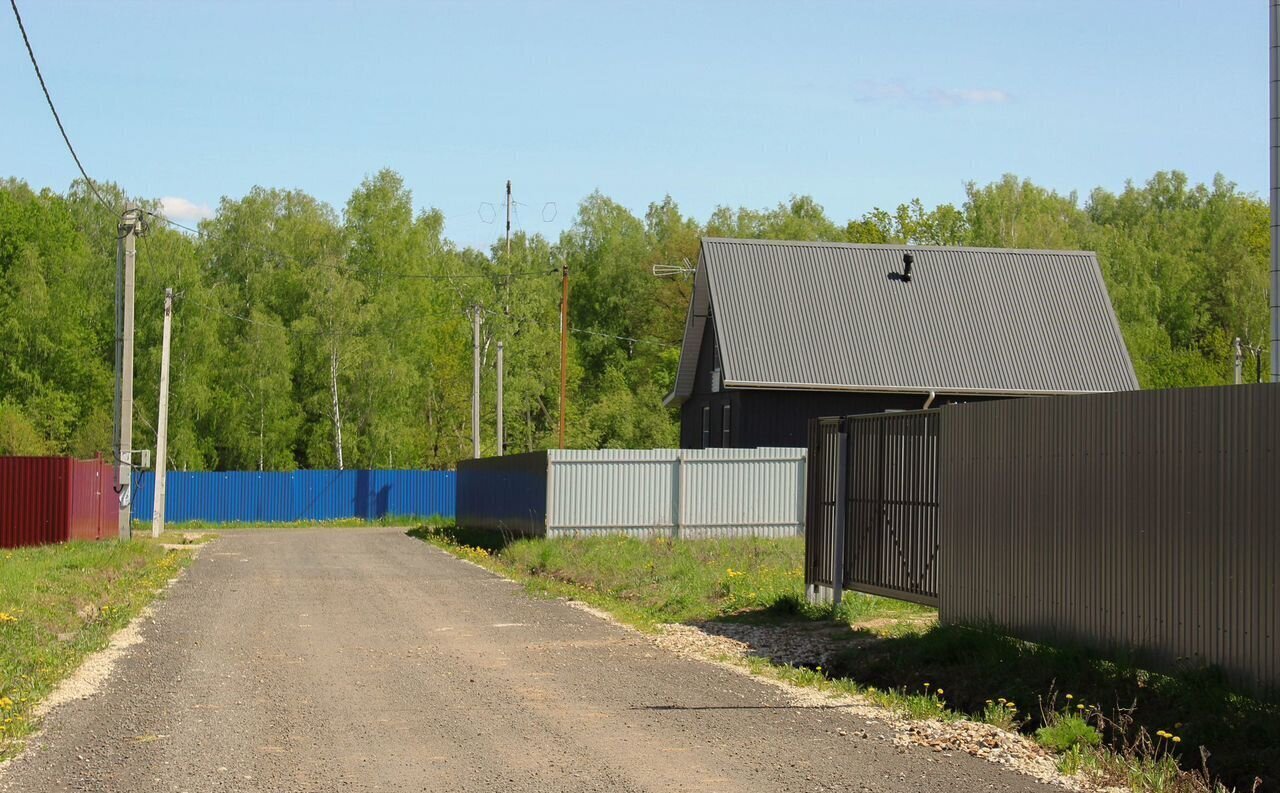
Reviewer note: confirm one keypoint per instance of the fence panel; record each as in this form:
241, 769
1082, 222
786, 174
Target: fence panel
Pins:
883, 539
1139, 521
820, 513
507, 493
93, 511
55, 499
277, 497
689, 493
892, 540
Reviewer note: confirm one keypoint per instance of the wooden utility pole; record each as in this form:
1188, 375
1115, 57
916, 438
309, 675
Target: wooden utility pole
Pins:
564, 347
122, 446
508, 218
162, 431
501, 434
475, 382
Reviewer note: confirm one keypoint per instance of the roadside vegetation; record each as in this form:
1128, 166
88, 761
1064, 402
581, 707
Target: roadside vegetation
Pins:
1111, 720
58, 604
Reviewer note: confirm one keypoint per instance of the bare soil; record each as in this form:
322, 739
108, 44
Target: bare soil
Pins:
364, 660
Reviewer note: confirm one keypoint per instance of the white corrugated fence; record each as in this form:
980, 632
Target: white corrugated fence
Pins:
683, 493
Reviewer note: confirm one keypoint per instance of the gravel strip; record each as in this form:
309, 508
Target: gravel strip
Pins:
731, 644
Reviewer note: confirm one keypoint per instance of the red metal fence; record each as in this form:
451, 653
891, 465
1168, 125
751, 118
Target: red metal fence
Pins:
55, 499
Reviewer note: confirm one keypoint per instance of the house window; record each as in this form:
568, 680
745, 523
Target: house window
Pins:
706, 427
725, 436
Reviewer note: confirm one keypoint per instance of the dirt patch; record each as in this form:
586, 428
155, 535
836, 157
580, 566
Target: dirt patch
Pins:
87, 680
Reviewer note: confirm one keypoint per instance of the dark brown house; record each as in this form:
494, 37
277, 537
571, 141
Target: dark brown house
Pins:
781, 332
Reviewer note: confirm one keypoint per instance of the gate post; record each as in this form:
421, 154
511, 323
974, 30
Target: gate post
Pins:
841, 517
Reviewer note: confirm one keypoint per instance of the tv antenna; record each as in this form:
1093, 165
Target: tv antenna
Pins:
671, 270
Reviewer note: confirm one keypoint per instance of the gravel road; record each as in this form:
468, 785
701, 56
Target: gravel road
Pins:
364, 660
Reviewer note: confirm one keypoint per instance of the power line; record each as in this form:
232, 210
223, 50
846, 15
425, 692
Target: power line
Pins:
586, 332
226, 313
31, 53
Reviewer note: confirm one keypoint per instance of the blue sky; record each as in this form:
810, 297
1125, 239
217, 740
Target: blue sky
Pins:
859, 104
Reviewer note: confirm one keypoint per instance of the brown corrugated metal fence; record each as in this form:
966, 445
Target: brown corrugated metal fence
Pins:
54, 499
1140, 520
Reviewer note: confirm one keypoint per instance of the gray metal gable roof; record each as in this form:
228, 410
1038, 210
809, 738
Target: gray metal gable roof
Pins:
828, 316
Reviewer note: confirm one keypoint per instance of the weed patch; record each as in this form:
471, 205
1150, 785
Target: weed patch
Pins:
58, 604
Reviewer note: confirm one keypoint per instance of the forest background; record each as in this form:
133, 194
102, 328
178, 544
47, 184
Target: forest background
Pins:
284, 301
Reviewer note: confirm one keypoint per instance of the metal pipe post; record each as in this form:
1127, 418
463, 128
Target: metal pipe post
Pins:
475, 382
501, 433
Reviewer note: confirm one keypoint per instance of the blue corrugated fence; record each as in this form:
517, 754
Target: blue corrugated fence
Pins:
253, 496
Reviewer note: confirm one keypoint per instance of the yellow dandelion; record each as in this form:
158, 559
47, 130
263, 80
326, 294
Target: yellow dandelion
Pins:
941, 692
989, 702
7, 617
1176, 739
1002, 700
1070, 697
1079, 707
926, 685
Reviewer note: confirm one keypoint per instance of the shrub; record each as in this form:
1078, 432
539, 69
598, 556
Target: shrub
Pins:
1066, 733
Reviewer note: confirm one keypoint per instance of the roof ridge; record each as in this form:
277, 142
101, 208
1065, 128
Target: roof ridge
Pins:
895, 246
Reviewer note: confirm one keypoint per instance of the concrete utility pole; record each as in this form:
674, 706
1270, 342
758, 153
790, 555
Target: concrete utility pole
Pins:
1275, 191
1239, 362
564, 347
162, 432
475, 382
501, 435
508, 218
122, 445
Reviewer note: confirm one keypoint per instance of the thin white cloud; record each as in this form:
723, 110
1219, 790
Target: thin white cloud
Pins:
881, 90
898, 91
183, 210
970, 96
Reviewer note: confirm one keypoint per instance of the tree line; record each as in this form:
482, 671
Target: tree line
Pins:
304, 335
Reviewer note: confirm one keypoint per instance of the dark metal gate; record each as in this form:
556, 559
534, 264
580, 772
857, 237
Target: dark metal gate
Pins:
873, 505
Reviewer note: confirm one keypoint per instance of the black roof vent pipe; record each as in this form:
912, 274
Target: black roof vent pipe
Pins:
907, 259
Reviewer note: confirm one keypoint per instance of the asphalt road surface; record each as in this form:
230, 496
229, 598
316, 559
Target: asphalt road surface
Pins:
365, 660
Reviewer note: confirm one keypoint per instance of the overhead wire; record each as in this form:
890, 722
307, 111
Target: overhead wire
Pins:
49, 99
588, 332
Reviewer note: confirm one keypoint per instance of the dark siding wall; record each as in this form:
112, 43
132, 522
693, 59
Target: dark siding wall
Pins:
781, 418
691, 421
703, 396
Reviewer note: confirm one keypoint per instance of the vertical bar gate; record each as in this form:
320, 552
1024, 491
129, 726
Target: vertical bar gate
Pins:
888, 478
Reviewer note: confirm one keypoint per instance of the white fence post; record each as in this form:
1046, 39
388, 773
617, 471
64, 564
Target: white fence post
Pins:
678, 518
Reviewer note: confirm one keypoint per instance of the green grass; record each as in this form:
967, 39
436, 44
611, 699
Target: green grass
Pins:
649, 582
59, 603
